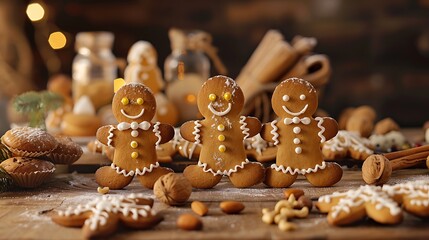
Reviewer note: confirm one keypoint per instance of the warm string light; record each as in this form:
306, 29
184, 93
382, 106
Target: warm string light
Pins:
57, 40
35, 12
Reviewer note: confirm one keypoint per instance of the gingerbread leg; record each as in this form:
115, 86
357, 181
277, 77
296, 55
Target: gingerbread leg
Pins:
149, 179
250, 175
278, 179
108, 177
326, 177
199, 178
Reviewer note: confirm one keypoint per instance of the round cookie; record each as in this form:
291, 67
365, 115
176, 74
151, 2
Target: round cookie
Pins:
67, 151
221, 134
298, 136
28, 172
29, 142
134, 138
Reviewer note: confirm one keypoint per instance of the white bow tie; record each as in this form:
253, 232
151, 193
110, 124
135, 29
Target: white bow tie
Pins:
297, 120
134, 125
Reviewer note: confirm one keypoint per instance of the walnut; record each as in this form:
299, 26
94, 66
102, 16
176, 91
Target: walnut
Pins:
172, 189
376, 170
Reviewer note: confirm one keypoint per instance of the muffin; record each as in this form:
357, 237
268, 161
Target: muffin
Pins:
29, 142
28, 172
67, 151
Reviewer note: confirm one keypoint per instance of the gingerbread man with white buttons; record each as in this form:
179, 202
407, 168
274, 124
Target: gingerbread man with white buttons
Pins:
221, 134
135, 139
298, 136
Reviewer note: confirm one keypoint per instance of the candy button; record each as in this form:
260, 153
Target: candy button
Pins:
140, 101
134, 144
221, 127
221, 137
298, 150
125, 101
212, 97
134, 155
296, 120
134, 125
222, 148
134, 133
227, 96
296, 141
296, 130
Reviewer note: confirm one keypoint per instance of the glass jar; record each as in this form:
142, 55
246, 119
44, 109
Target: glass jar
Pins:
94, 67
185, 71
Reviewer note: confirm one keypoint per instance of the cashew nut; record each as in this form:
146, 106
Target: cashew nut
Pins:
284, 225
103, 190
268, 217
291, 213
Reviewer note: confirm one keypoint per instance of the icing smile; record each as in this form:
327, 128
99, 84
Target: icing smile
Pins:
131, 116
295, 113
220, 114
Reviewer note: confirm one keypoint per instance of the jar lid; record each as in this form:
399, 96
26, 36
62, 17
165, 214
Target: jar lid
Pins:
94, 40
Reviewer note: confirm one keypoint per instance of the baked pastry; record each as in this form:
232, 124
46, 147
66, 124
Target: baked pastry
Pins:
135, 139
259, 149
347, 144
28, 172
221, 134
82, 121
298, 136
29, 142
101, 216
67, 151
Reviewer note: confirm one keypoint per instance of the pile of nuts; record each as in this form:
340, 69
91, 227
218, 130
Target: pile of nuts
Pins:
285, 210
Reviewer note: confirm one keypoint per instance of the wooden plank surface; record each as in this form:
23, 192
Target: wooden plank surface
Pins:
24, 213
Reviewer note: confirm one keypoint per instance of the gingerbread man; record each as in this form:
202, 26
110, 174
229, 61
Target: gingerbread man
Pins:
134, 139
221, 134
298, 137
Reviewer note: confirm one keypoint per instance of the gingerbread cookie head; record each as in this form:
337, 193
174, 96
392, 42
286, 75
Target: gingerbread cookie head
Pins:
220, 96
294, 97
133, 102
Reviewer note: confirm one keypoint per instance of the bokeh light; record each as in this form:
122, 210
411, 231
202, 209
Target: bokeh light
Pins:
35, 12
57, 40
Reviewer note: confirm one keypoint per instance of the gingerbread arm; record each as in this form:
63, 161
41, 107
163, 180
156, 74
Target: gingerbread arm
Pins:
103, 135
268, 130
186, 131
166, 132
254, 126
331, 127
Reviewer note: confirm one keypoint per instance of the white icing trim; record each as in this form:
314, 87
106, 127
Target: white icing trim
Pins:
197, 131
345, 139
243, 127
322, 129
131, 116
111, 135
296, 120
274, 133
225, 172
134, 172
295, 113
157, 133
298, 171
220, 114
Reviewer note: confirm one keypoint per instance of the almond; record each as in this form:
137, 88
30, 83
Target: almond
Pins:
293, 191
189, 222
231, 207
199, 208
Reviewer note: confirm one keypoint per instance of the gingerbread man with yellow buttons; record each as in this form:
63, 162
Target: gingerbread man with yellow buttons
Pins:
135, 139
221, 134
298, 137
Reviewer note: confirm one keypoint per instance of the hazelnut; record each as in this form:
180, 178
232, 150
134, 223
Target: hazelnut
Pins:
386, 125
305, 201
172, 189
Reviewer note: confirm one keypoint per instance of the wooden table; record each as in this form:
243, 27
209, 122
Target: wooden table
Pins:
24, 213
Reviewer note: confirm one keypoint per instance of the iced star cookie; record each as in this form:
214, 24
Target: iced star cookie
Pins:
298, 136
414, 196
134, 138
221, 134
101, 216
347, 144
351, 206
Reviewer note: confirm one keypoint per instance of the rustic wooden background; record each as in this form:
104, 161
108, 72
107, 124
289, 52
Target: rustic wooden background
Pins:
379, 49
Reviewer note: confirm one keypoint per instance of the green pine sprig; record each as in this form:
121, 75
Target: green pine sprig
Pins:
6, 181
37, 105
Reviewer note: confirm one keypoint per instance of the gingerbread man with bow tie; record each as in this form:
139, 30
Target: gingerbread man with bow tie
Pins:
135, 139
298, 136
